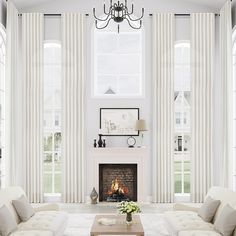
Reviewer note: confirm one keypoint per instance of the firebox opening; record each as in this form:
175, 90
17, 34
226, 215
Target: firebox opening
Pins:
117, 182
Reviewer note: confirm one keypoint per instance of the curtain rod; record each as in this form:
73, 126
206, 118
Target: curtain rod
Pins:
55, 14
185, 14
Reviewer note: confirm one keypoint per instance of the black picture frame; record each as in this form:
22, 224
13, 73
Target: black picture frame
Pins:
109, 128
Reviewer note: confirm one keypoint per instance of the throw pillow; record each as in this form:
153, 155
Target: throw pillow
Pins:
226, 222
208, 209
7, 222
23, 208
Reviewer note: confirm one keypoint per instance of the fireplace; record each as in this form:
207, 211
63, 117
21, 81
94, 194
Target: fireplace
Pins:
117, 182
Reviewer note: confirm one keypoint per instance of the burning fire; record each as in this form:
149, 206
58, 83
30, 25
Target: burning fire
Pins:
117, 187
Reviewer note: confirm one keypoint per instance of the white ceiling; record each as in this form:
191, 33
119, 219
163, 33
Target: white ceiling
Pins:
215, 4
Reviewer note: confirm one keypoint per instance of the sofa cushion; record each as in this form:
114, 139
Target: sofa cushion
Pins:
208, 209
225, 195
52, 221
7, 222
226, 222
199, 233
185, 220
32, 233
6, 197
23, 208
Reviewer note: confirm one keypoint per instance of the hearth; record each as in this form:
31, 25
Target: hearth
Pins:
117, 182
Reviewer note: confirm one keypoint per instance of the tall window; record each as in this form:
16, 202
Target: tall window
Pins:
2, 104
234, 110
118, 64
182, 106
52, 118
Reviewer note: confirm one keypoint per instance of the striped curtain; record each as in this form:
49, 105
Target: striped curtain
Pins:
226, 165
12, 156
163, 107
202, 62
73, 107
32, 51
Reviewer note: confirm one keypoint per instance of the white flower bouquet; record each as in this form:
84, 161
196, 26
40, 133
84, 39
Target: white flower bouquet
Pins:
128, 207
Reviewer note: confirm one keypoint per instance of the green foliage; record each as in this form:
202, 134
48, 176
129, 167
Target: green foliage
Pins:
128, 207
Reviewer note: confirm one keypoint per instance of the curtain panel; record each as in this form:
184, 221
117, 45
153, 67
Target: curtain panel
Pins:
73, 107
12, 159
32, 52
226, 90
202, 63
163, 107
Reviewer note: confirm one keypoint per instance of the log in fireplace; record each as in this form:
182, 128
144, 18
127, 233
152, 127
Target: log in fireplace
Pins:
117, 182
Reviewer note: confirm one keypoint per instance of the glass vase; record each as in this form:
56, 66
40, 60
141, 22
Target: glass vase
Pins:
128, 218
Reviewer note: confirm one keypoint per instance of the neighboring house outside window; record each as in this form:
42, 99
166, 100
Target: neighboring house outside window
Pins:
2, 104
182, 124
52, 168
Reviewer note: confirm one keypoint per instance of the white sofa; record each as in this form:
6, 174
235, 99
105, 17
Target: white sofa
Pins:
47, 220
184, 220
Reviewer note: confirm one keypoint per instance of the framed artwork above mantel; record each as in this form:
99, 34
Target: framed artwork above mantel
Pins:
118, 121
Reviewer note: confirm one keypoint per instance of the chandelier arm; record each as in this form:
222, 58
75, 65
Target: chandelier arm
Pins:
132, 10
104, 9
94, 14
137, 18
103, 27
139, 27
110, 9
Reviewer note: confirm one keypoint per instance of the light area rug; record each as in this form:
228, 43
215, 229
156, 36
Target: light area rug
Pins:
80, 224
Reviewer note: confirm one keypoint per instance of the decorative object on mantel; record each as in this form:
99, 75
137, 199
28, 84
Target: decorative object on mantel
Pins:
118, 121
104, 143
100, 142
128, 208
94, 196
131, 142
95, 143
141, 126
118, 12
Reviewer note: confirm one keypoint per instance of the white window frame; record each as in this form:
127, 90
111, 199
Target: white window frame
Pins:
182, 156
94, 65
53, 130
233, 158
2, 160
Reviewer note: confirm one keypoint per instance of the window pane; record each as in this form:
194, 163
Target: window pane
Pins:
47, 180
52, 118
57, 142
118, 63
178, 166
178, 183
48, 142
182, 107
187, 183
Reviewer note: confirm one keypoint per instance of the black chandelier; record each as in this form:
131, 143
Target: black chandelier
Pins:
118, 12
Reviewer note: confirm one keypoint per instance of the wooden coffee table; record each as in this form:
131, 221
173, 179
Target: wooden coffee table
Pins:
120, 228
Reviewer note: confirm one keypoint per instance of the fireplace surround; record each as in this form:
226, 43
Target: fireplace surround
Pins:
117, 182
120, 155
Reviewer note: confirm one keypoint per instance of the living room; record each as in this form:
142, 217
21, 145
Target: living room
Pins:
118, 117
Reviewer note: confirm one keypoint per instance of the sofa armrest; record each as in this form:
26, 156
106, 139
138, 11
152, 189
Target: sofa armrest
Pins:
47, 207
183, 207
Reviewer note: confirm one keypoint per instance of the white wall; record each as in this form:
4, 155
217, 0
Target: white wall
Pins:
52, 32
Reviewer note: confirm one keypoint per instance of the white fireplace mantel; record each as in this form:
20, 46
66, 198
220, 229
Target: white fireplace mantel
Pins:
122, 155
